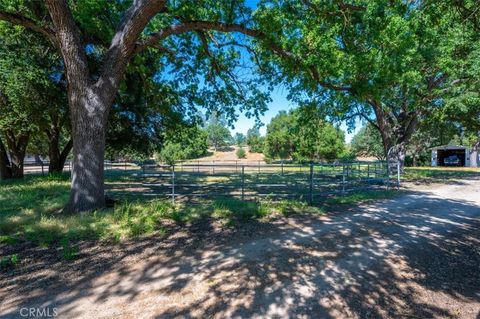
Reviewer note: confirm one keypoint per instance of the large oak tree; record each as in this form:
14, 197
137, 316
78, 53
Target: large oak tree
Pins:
142, 25
379, 60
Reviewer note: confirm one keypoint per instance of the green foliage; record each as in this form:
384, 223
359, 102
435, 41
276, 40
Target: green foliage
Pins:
241, 153
368, 142
184, 143
69, 252
29, 91
171, 153
8, 261
366, 196
303, 135
279, 141
255, 141
391, 62
9, 240
217, 135
240, 139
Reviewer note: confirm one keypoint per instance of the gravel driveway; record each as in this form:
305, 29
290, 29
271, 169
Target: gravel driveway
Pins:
414, 256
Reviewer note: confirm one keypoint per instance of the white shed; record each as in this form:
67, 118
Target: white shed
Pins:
455, 155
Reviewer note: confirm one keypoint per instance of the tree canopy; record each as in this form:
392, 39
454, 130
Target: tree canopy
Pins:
387, 62
303, 135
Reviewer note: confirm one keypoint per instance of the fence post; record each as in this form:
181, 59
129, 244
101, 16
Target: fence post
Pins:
173, 184
213, 167
398, 174
42, 168
282, 167
388, 174
259, 166
368, 171
311, 183
243, 182
343, 179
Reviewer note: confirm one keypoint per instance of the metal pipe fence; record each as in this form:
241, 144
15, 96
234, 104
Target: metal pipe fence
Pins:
307, 182
41, 167
250, 179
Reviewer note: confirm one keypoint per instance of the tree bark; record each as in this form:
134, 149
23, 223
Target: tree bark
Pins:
17, 146
88, 117
474, 153
38, 160
5, 168
57, 158
396, 132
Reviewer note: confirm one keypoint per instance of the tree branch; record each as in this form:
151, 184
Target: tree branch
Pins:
214, 26
195, 26
70, 42
122, 46
17, 19
229, 27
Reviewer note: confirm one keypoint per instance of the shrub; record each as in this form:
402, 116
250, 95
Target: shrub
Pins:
7, 262
171, 153
241, 153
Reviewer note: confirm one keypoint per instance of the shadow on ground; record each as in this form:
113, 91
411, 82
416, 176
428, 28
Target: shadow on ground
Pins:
414, 256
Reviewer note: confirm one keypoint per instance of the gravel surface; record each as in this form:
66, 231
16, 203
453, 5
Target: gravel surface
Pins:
414, 256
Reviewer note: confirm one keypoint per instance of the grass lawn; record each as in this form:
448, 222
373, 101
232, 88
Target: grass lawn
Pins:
439, 173
30, 212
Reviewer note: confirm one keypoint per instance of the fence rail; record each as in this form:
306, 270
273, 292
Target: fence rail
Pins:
308, 182
247, 180
41, 167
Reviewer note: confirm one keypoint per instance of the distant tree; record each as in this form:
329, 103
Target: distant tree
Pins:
240, 139
171, 153
185, 143
218, 135
279, 140
368, 142
302, 135
314, 138
255, 141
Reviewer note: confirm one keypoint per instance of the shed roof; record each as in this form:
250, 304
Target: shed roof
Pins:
450, 147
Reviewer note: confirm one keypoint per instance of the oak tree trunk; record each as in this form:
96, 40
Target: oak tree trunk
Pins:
88, 117
17, 147
474, 153
57, 158
5, 168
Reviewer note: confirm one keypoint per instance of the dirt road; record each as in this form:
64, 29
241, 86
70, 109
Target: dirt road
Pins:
415, 256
